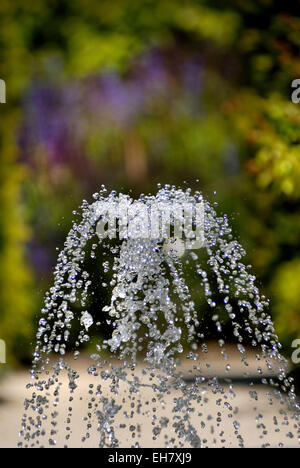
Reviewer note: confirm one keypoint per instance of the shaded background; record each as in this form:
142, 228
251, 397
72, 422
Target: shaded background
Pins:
130, 94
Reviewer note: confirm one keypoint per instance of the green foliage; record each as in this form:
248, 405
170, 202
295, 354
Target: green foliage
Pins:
245, 142
271, 126
15, 277
286, 293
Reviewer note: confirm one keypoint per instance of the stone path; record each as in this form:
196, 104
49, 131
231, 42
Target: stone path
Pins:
212, 416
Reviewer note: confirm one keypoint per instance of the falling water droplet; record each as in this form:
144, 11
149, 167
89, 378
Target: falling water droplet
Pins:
156, 374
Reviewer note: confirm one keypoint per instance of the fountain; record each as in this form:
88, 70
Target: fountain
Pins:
189, 339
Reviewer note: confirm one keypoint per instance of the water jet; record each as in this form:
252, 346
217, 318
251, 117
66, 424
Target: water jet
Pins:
191, 341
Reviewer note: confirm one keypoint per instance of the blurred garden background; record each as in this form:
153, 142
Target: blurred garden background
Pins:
131, 94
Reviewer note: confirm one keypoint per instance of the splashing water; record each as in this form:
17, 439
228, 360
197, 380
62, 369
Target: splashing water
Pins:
190, 343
